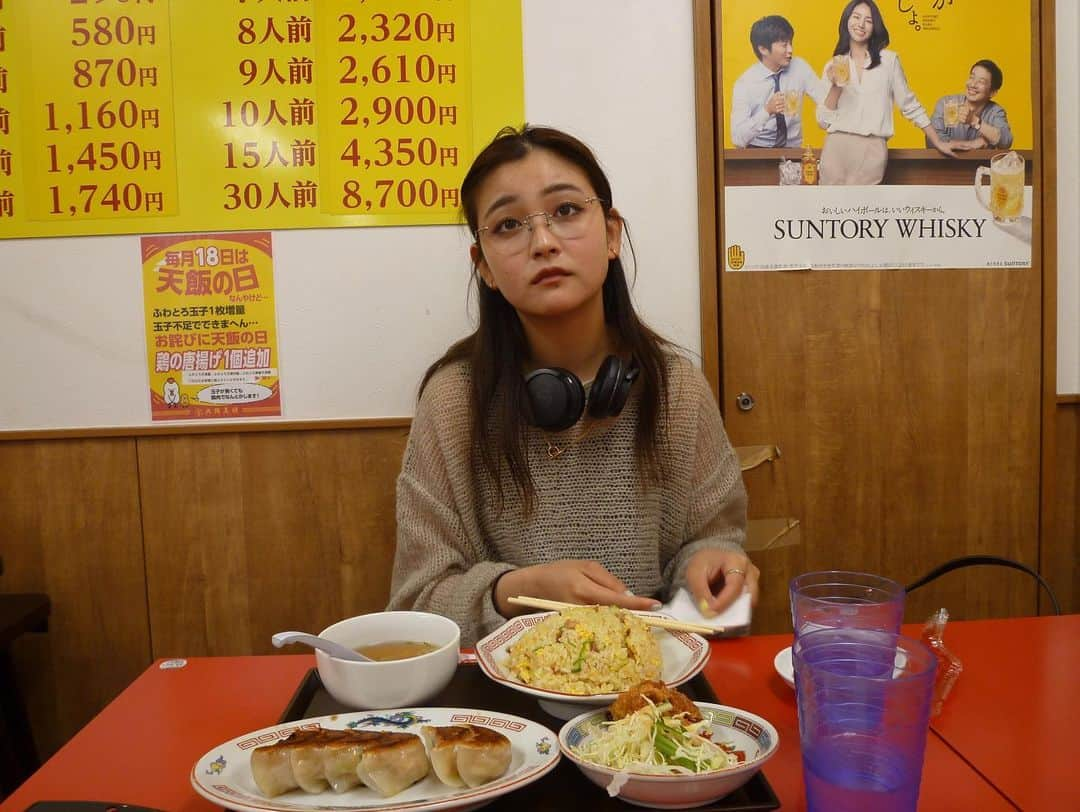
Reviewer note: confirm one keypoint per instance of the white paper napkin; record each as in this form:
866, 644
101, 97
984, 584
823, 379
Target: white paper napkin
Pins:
734, 620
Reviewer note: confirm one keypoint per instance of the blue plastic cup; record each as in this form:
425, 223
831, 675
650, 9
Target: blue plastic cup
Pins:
840, 599
864, 710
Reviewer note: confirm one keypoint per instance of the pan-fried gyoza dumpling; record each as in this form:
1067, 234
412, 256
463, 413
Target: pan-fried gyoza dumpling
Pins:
295, 761
339, 759
392, 761
339, 766
307, 767
467, 755
272, 770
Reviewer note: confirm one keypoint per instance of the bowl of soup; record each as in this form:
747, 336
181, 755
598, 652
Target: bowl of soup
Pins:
414, 657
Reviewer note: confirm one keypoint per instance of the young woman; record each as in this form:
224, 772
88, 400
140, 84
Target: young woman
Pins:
865, 81
563, 450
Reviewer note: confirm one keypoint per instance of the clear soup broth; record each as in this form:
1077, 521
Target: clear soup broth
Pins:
396, 649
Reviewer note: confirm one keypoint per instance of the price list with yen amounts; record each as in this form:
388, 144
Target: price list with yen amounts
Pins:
141, 116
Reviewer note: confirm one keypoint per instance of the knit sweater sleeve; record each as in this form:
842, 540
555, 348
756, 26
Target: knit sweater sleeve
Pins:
441, 562
716, 515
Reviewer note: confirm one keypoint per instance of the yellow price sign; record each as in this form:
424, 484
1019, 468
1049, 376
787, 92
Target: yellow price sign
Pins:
170, 116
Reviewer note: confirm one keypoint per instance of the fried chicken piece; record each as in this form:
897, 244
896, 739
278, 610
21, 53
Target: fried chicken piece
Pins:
634, 699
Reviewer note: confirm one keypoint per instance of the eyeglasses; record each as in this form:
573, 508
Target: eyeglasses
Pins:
567, 220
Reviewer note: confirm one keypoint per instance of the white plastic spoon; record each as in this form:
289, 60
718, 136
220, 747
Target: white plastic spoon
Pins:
329, 646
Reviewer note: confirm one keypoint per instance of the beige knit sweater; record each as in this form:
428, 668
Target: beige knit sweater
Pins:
452, 542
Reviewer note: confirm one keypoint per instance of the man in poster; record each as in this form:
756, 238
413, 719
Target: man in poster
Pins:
767, 99
971, 120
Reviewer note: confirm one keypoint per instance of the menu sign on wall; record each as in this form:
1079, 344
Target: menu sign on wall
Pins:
121, 116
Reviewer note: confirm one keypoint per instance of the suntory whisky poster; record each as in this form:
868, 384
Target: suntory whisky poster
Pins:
876, 134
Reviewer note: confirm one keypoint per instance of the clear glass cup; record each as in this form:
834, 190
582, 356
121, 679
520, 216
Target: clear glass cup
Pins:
864, 709
839, 598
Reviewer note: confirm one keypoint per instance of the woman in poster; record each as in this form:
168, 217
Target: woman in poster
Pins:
865, 80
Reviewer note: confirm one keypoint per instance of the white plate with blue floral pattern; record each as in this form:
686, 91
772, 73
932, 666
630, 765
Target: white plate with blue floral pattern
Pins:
223, 775
682, 655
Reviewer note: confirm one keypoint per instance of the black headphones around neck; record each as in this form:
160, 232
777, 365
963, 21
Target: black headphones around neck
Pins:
557, 397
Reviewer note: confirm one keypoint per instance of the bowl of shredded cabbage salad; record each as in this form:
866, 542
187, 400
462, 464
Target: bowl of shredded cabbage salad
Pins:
655, 758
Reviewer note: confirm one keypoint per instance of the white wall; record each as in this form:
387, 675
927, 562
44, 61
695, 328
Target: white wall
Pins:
362, 312
1068, 179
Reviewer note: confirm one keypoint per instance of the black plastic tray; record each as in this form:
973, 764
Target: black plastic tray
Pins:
564, 788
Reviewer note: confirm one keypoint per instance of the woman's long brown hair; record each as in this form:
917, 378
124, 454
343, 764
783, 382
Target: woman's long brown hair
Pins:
879, 37
497, 350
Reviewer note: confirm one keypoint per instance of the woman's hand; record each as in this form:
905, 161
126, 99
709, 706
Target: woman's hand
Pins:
569, 581
832, 99
944, 147
729, 572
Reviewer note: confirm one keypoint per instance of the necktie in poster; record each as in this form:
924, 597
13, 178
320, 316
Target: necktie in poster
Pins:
211, 326
908, 137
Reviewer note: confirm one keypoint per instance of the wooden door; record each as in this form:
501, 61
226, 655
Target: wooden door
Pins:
906, 404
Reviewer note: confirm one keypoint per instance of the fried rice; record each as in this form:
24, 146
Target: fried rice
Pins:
586, 650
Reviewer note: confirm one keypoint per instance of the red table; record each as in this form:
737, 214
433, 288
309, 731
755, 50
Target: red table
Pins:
1014, 714
140, 749
741, 673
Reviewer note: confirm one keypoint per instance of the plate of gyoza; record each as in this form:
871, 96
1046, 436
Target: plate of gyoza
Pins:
414, 759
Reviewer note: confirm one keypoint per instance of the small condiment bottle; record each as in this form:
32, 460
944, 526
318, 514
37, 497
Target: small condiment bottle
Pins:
949, 665
809, 167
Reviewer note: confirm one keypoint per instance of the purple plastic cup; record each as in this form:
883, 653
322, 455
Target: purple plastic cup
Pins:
864, 710
840, 599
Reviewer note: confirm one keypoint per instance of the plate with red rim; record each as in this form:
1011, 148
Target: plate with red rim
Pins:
682, 654
223, 775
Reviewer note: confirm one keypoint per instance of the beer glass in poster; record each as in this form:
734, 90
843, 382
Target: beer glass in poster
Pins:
1006, 173
952, 112
792, 98
841, 70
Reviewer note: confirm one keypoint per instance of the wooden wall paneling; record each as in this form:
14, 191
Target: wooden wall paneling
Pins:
72, 530
251, 534
1061, 552
170, 429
